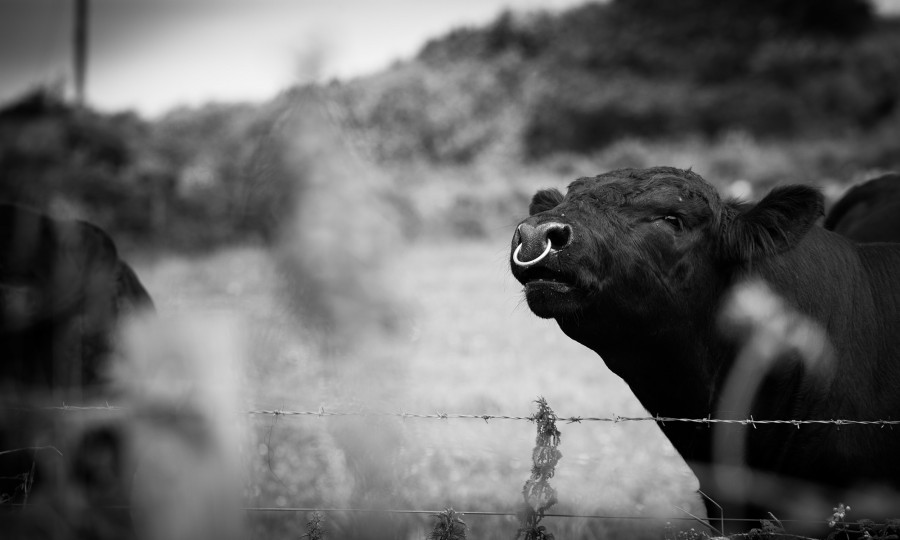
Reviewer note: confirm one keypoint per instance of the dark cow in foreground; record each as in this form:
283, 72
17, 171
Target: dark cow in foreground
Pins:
635, 263
869, 212
63, 290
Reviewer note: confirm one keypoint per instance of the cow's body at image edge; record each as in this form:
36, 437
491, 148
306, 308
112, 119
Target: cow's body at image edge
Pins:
868, 212
63, 292
637, 267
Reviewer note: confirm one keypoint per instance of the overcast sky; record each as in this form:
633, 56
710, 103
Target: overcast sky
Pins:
152, 55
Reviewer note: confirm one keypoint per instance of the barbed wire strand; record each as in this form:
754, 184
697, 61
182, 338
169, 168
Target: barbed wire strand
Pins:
615, 418
509, 513
300, 509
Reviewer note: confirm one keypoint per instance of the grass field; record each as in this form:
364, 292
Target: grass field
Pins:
389, 290
463, 341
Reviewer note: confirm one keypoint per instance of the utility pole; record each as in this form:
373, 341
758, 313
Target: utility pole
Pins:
80, 35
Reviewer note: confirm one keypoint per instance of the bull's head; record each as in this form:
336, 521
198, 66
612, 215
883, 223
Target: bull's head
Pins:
647, 245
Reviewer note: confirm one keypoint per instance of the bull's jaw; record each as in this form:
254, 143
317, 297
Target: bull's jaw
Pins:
549, 299
550, 290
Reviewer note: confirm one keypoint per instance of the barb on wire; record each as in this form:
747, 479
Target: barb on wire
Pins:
65, 407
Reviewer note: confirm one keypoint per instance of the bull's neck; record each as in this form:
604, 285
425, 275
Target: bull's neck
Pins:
670, 374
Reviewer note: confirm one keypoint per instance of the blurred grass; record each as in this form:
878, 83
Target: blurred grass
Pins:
470, 345
428, 254
385, 286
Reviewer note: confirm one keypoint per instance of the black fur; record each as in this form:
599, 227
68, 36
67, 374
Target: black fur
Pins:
869, 212
773, 225
543, 200
63, 289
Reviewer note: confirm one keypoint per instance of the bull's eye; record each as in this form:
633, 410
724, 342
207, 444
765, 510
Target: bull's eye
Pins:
673, 221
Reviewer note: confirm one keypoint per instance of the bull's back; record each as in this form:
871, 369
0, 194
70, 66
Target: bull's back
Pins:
853, 291
868, 367
882, 263
869, 212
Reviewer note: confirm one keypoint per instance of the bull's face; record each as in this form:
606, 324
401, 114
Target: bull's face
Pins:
645, 244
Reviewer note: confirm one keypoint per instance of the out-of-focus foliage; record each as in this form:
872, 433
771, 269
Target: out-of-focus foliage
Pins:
207, 153
178, 181
451, 113
656, 69
755, 90
50, 148
535, 84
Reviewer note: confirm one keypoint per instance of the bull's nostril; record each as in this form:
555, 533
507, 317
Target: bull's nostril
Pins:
559, 236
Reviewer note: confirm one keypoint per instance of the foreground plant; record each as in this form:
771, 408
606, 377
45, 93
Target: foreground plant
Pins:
448, 526
537, 493
315, 529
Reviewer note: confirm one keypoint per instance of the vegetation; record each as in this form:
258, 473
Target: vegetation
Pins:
537, 494
758, 91
448, 526
176, 182
315, 528
649, 69
449, 146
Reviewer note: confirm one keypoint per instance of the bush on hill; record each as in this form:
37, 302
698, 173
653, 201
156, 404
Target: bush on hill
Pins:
179, 181
657, 69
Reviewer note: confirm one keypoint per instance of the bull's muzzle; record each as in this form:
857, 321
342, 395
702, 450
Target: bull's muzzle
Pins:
548, 237
536, 260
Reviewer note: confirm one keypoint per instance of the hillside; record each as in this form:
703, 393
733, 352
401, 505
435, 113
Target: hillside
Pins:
585, 78
749, 93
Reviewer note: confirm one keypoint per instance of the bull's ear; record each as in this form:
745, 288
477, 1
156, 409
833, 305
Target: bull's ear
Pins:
544, 199
774, 224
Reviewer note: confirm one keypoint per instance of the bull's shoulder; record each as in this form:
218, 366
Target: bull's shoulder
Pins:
882, 261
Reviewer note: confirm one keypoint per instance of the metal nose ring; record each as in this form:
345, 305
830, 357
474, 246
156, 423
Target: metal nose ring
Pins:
532, 261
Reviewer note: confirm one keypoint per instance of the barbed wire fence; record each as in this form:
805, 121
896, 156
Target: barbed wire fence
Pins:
323, 412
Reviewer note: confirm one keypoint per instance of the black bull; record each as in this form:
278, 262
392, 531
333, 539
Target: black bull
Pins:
634, 264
